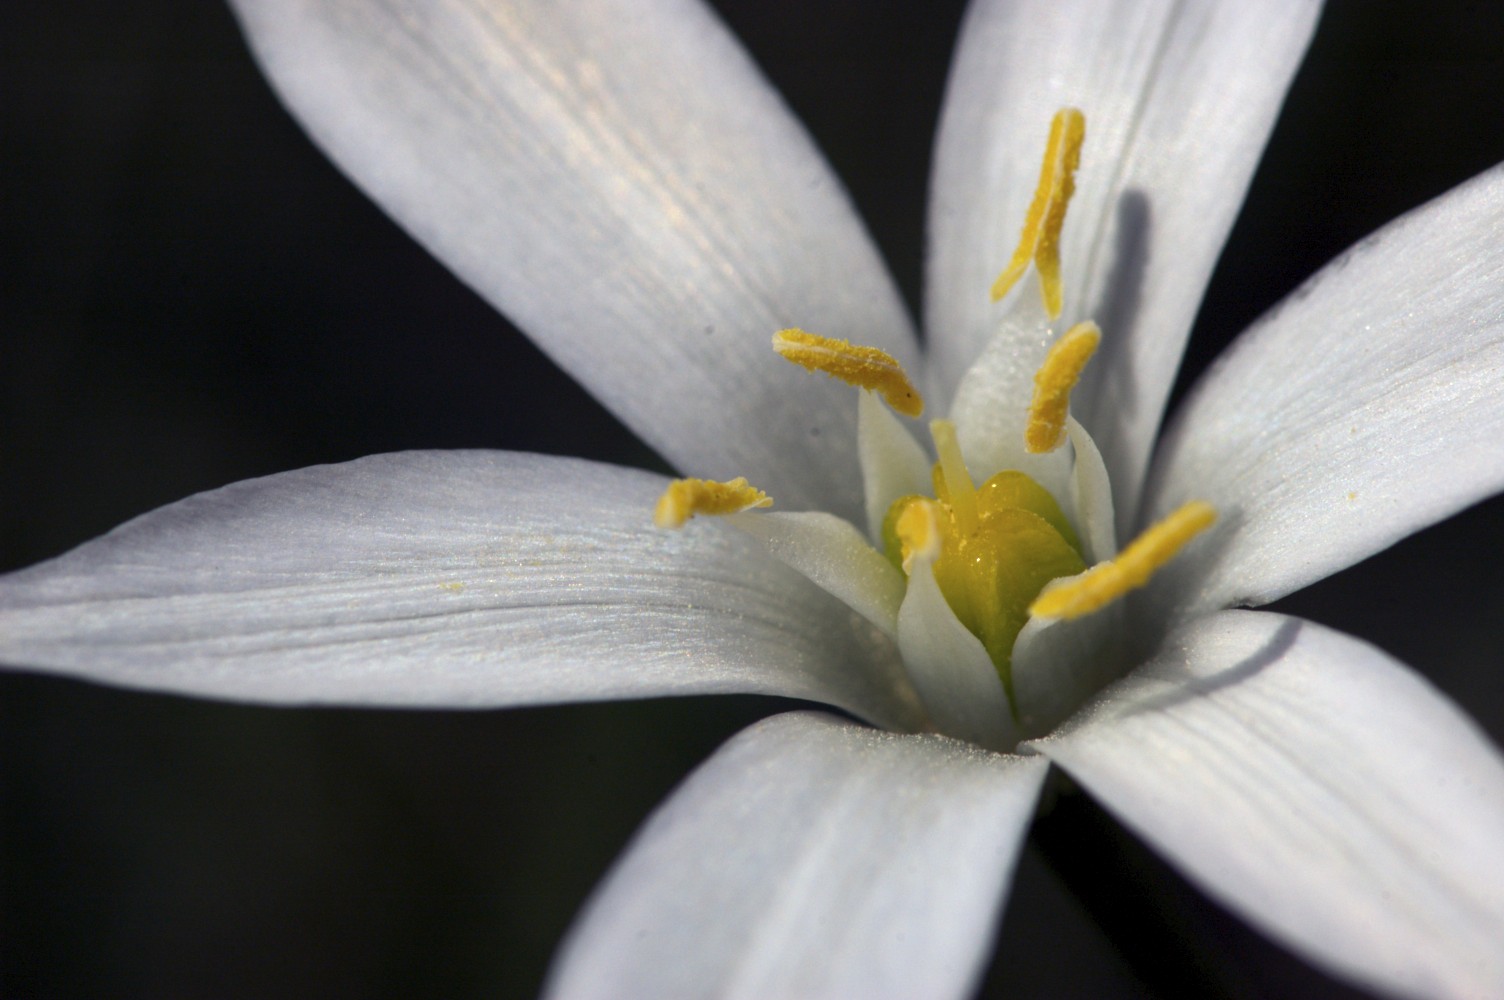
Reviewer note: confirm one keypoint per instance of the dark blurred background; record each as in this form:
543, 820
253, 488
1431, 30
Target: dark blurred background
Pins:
190, 295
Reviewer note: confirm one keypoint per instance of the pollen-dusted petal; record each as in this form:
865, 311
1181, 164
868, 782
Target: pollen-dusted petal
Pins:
1106, 582
685, 498
336, 585
1053, 384
864, 367
1039, 241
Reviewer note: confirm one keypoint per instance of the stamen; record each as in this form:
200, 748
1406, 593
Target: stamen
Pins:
868, 368
685, 498
1040, 240
1053, 384
918, 530
961, 492
1106, 582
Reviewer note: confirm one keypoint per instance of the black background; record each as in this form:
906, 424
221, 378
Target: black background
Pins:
190, 295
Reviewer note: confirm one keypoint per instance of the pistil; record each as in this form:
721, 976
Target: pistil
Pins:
960, 492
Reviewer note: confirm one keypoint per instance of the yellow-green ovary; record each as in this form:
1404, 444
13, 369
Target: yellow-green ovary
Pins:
989, 577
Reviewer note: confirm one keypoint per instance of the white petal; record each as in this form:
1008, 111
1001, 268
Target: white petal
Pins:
1179, 99
1319, 788
1058, 664
617, 177
893, 463
835, 556
1366, 407
991, 408
950, 668
996, 386
1091, 495
811, 858
441, 578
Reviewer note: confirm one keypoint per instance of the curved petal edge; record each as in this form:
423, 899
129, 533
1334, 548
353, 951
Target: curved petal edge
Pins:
811, 857
618, 178
1367, 406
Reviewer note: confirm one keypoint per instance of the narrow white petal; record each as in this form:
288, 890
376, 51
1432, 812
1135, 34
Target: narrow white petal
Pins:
835, 556
1366, 407
893, 463
1091, 495
1058, 664
1179, 100
995, 388
991, 408
441, 578
1317, 787
950, 668
618, 178
811, 858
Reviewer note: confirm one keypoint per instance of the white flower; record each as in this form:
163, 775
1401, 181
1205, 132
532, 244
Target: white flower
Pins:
614, 175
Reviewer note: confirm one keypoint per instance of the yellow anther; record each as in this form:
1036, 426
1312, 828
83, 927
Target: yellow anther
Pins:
1040, 240
685, 498
1133, 567
918, 530
1053, 384
864, 367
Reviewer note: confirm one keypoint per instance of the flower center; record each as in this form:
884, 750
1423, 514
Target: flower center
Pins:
982, 562
992, 549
